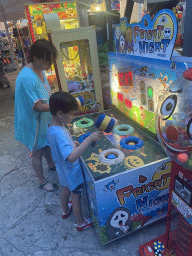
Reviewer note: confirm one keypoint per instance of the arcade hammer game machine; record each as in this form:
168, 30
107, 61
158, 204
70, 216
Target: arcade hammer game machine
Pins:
127, 173
173, 127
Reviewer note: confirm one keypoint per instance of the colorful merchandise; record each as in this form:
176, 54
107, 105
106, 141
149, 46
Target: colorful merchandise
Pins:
78, 66
67, 14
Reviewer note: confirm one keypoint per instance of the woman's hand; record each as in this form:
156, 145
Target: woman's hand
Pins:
41, 107
77, 143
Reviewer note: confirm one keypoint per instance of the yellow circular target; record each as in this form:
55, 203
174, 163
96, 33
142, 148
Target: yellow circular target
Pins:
163, 27
162, 176
133, 162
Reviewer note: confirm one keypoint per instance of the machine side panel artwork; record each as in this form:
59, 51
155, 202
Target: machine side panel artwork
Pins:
137, 84
132, 200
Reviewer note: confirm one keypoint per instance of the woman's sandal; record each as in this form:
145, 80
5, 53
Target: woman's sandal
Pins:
54, 186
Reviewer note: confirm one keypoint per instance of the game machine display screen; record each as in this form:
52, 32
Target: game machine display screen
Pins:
127, 172
78, 66
60, 16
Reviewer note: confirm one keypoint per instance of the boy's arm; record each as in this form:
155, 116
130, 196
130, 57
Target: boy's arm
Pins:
77, 152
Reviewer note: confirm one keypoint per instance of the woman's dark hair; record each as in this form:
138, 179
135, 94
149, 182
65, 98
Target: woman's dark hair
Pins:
43, 49
63, 101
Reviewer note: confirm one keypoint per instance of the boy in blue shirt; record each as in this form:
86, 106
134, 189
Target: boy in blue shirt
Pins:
66, 153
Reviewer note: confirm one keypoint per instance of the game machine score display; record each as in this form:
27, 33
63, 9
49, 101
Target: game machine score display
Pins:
125, 78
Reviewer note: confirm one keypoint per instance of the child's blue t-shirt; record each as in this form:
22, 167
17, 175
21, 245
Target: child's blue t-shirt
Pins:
61, 144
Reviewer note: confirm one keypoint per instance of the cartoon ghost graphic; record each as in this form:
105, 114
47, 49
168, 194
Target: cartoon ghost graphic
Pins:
119, 223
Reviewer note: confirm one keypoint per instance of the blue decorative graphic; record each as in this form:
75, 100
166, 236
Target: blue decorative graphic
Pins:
111, 185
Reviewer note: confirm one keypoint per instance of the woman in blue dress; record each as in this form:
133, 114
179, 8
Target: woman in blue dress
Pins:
32, 114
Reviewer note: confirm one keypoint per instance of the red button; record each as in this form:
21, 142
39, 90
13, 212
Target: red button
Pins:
188, 74
172, 133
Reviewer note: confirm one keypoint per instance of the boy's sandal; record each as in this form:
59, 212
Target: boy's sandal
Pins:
52, 168
54, 186
85, 225
65, 215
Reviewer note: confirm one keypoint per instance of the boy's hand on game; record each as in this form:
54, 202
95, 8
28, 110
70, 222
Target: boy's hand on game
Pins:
95, 136
76, 143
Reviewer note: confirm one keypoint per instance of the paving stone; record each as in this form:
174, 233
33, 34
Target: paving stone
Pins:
32, 249
43, 217
79, 254
18, 163
52, 199
57, 253
70, 238
55, 235
23, 154
127, 252
30, 229
25, 234
9, 143
13, 180
8, 163
7, 249
16, 205
43, 253
101, 252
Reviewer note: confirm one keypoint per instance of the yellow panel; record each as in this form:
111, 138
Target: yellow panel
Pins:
39, 30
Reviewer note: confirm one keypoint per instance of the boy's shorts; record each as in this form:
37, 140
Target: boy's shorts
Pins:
79, 189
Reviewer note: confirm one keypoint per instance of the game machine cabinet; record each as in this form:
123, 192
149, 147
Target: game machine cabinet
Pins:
77, 66
52, 16
67, 13
127, 173
175, 134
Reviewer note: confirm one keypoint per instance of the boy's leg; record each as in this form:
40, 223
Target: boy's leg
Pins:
48, 157
77, 208
65, 193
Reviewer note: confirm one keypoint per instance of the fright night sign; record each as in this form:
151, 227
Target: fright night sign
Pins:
149, 38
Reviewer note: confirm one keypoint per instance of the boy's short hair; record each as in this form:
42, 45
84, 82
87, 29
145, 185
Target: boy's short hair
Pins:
63, 101
43, 49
